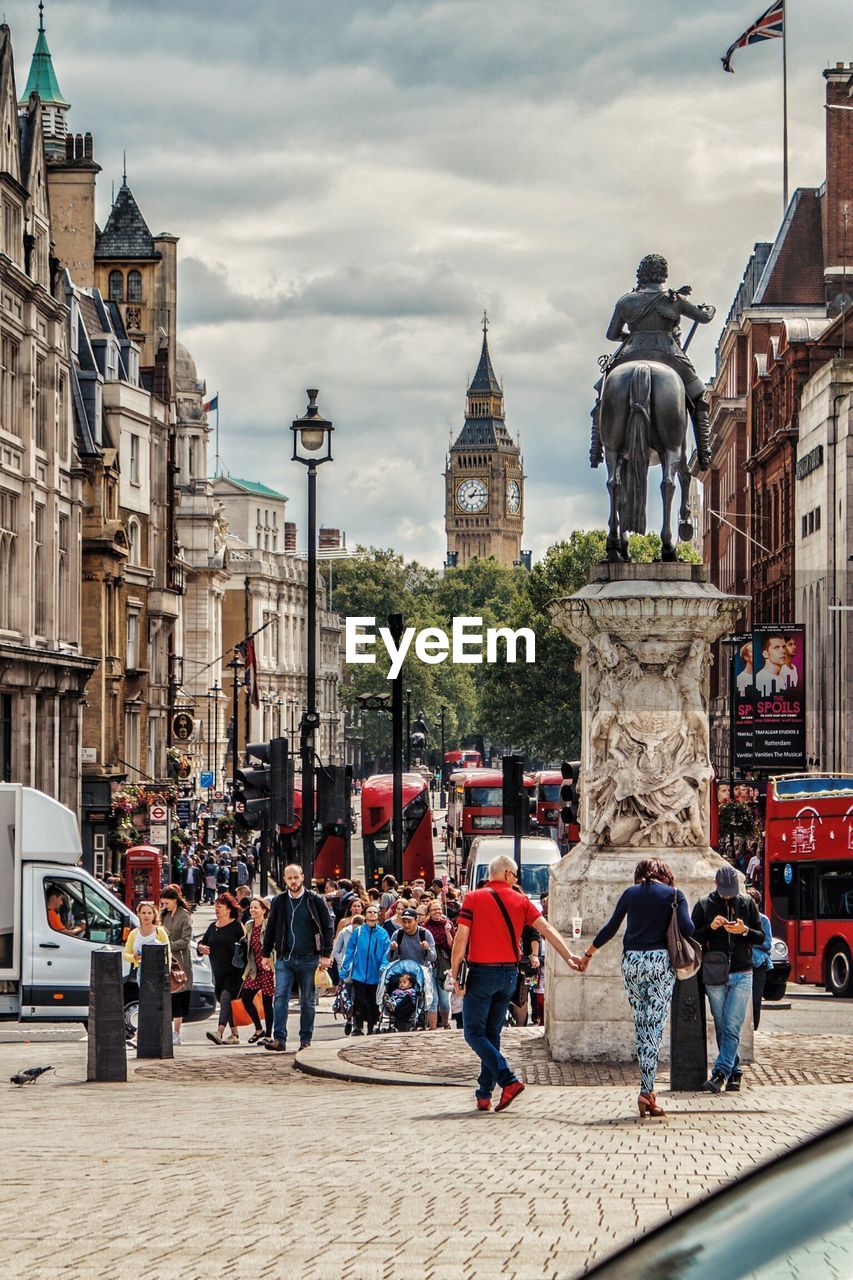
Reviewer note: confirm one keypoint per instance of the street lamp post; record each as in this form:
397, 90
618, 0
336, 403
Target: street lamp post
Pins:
442, 795
408, 729
395, 626
216, 692
235, 664
312, 446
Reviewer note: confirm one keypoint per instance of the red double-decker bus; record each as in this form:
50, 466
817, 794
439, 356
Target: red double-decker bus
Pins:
809, 856
377, 810
474, 808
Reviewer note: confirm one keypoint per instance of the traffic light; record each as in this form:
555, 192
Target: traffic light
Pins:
333, 799
265, 791
570, 769
515, 802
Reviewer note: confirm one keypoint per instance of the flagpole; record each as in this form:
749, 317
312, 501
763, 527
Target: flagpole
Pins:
784, 108
218, 468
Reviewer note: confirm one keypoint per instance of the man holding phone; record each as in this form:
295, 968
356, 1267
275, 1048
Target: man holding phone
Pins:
727, 925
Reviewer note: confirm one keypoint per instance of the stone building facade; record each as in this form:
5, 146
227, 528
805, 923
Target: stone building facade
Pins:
43, 669
268, 588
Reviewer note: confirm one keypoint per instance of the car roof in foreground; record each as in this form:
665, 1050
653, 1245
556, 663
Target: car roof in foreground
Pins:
533, 845
795, 1209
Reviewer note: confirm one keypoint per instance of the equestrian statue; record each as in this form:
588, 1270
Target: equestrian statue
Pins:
647, 388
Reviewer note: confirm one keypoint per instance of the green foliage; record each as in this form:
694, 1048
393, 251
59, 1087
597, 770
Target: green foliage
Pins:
534, 708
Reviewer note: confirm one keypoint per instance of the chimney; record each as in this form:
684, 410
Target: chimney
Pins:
87, 146
69, 148
290, 537
838, 195
330, 539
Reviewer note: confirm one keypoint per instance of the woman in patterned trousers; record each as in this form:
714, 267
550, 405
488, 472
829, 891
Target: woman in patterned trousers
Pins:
646, 969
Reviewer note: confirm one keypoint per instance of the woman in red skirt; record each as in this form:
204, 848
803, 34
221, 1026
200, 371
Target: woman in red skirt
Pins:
255, 977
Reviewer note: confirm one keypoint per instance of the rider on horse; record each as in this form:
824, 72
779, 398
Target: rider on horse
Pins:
650, 314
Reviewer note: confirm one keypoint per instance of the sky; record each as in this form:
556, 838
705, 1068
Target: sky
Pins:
354, 183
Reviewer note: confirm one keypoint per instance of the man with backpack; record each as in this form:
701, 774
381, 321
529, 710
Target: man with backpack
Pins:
413, 942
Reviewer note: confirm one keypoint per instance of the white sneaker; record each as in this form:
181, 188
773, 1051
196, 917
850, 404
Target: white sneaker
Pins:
176, 1037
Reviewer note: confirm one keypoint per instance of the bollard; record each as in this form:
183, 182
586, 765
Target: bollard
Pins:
154, 1034
688, 1051
107, 1055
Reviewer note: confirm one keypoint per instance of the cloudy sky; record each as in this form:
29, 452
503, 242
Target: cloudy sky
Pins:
353, 183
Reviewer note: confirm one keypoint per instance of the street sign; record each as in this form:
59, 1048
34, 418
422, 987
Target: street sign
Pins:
184, 811
157, 814
206, 779
182, 726
158, 833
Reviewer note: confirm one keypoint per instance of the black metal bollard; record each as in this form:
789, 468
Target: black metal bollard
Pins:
688, 1051
107, 1058
154, 1034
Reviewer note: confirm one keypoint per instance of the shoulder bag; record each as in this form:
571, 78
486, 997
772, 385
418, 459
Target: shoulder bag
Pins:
684, 953
177, 977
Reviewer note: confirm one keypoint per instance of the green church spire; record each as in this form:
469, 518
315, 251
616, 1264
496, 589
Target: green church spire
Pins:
42, 79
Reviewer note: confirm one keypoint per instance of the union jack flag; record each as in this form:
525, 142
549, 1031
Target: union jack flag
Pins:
770, 26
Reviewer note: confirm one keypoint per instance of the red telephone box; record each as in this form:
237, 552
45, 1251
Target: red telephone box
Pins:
143, 868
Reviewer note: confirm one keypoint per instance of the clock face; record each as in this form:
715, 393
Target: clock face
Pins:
472, 495
513, 497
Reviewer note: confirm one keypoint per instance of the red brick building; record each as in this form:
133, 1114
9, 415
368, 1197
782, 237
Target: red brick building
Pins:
768, 350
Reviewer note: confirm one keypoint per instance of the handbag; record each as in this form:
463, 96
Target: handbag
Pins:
240, 958
715, 968
177, 977
323, 979
685, 954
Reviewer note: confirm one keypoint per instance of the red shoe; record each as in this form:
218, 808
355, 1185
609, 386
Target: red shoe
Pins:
484, 1104
509, 1092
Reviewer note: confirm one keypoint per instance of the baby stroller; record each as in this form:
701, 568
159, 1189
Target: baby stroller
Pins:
342, 1004
410, 1013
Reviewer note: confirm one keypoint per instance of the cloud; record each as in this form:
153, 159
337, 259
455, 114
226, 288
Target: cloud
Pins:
354, 182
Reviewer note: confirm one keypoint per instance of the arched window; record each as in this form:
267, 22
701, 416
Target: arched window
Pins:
134, 286
116, 286
133, 548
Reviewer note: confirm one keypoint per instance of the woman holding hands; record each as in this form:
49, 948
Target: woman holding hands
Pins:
646, 967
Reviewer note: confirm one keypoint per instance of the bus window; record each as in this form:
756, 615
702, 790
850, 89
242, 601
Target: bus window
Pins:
484, 797
807, 926
781, 894
835, 893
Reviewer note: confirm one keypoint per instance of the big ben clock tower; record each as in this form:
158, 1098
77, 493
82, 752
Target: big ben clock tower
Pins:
484, 480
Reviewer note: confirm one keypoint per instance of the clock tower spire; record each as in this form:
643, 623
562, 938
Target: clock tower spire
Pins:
484, 480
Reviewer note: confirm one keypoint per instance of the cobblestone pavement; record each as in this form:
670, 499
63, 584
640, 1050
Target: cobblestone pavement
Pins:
232, 1164
780, 1059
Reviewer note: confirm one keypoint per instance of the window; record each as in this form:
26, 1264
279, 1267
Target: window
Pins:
80, 909
134, 286
41, 403
835, 892
10, 411
12, 238
131, 738
39, 583
116, 286
8, 560
134, 459
62, 424
62, 580
193, 448
133, 542
132, 640
6, 714
817, 518
151, 766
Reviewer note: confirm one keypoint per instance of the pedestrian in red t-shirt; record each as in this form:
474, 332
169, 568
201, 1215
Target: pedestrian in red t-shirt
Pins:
489, 928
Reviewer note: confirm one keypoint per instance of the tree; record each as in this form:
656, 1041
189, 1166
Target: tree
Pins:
536, 708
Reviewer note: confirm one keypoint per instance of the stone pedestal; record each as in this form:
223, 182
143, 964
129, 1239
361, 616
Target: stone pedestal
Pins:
644, 633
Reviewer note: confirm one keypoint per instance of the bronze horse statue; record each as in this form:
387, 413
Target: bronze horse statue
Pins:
643, 420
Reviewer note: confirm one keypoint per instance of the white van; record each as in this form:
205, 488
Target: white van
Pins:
538, 855
46, 954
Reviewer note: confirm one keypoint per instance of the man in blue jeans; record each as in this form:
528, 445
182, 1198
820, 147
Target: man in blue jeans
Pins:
488, 929
299, 930
727, 925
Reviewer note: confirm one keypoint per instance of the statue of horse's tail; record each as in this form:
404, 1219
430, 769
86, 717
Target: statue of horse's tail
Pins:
635, 463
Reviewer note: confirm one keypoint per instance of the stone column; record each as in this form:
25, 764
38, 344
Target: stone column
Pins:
644, 633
